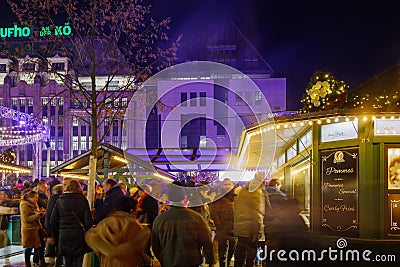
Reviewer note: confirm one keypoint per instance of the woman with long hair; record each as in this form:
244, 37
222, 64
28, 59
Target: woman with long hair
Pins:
71, 215
30, 225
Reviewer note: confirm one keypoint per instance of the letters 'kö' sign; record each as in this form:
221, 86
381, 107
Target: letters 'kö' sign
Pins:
339, 185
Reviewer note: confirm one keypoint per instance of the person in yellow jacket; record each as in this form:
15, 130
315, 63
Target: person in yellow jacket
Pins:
249, 211
30, 225
119, 240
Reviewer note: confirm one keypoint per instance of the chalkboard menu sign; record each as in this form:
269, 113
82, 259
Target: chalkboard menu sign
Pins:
339, 185
394, 213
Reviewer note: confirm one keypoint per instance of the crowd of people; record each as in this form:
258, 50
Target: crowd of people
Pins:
128, 227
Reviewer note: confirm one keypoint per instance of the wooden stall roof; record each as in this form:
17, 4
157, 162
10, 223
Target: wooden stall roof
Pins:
81, 162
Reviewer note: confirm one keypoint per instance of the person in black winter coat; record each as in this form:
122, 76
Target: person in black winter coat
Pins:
70, 215
52, 233
222, 215
147, 209
113, 193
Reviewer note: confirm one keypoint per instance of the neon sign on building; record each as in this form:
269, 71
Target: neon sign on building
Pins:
17, 31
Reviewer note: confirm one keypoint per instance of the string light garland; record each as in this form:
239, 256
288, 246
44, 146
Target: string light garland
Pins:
324, 92
267, 127
383, 102
29, 129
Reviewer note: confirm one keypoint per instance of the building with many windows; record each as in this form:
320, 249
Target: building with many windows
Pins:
29, 90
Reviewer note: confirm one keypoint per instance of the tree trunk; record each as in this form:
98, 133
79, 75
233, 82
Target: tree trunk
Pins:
91, 181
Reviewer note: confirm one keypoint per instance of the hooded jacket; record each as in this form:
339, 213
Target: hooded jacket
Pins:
119, 240
249, 211
112, 196
30, 224
71, 234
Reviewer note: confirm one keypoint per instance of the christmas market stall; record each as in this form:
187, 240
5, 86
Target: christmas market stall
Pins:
339, 156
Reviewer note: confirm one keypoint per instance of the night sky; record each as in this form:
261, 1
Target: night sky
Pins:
352, 39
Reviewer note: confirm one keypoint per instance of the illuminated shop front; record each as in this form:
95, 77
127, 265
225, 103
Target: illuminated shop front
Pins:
342, 168
340, 159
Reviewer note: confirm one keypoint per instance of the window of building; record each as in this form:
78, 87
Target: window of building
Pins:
1, 102
124, 101
257, 98
28, 66
305, 141
300, 186
52, 143
220, 129
115, 140
247, 96
106, 121
193, 126
184, 141
74, 121
61, 101
44, 101
53, 102
22, 102
239, 100
45, 119
60, 142
14, 102
183, 99
113, 85
226, 96
203, 141
3, 68
58, 66
83, 143
291, 152
75, 143
193, 100
281, 159
52, 120
116, 102
108, 103
30, 102
123, 142
87, 85
203, 99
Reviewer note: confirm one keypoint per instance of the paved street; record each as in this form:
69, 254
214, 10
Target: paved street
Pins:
14, 256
